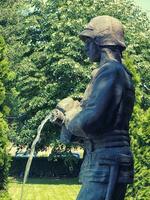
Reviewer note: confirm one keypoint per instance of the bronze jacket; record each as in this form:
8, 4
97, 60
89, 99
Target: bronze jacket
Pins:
106, 107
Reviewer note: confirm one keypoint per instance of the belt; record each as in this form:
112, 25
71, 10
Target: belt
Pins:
115, 138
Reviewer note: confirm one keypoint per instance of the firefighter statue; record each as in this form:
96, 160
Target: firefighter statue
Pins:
101, 118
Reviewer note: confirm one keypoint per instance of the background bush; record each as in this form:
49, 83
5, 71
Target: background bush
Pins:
4, 195
6, 77
42, 167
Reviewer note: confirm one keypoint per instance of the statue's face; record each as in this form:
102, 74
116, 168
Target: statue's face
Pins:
92, 50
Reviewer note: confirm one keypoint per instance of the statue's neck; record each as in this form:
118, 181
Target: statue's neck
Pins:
109, 55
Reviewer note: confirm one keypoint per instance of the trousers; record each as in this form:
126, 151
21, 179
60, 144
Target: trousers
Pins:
105, 173
97, 191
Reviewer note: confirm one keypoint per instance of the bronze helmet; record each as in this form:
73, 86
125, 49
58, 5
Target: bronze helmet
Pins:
105, 30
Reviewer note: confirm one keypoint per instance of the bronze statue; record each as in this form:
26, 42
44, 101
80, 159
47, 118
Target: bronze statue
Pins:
102, 117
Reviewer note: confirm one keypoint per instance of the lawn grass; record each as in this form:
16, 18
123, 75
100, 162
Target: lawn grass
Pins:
45, 189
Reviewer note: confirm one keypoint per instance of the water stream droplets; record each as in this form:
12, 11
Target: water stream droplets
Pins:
37, 138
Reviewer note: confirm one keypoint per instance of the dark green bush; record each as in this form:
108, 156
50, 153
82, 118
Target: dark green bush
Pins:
5, 77
42, 167
4, 195
4, 168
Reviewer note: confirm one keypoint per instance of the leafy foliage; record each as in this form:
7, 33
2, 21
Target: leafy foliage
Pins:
5, 78
51, 63
4, 195
140, 141
63, 152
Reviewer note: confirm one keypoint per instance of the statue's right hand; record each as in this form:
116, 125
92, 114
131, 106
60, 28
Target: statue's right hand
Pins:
57, 117
67, 104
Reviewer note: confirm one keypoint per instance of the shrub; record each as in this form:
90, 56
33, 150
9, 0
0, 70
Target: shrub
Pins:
5, 75
4, 195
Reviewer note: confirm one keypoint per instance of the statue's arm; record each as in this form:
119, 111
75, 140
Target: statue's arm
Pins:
105, 96
71, 107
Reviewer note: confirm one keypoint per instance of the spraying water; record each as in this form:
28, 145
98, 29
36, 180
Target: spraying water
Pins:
28, 165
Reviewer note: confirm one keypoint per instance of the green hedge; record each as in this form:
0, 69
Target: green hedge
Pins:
5, 91
4, 195
42, 167
4, 168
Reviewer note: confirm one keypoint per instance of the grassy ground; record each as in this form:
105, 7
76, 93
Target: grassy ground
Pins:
45, 189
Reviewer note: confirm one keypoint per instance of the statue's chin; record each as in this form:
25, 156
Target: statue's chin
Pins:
94, 58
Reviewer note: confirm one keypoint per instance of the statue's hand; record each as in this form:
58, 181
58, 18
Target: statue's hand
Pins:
57, 117
67, 104
65, 110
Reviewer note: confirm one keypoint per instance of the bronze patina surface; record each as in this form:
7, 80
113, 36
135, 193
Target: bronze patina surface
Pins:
102, 117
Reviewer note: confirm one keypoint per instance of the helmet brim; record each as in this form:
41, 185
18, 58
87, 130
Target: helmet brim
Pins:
86, 34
